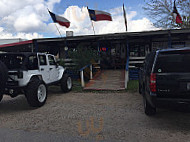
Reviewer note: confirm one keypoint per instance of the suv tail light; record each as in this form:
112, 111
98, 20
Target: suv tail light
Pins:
152, 84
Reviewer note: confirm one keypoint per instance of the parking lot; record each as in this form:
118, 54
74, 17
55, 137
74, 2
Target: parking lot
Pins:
100, 116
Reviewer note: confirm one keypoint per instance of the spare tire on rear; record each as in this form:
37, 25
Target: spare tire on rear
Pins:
3, 78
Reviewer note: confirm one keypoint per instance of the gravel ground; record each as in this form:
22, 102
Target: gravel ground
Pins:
95, 117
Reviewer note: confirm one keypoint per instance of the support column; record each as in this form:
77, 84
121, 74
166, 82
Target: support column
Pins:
82, 78
169, 39
127, 66
35, 47
91, 71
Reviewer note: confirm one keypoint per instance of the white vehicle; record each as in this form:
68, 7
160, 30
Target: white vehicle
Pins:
31, 74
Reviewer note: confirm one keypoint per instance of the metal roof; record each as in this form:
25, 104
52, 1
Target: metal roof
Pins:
117, 35
16, 43
19, 53
112, 36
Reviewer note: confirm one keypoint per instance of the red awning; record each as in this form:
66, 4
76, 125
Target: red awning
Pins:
16, 43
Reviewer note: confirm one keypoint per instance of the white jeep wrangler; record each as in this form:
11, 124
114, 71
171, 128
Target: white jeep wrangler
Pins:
31, 74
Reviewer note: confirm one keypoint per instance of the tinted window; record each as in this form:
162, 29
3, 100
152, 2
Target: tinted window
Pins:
42, 59
12, 61
167, 63
51, 60
32, 62
149, 62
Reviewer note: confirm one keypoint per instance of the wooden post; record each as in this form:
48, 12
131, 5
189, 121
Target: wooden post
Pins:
82, 78
126, 78
91, 71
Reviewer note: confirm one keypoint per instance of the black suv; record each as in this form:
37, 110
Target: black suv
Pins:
165, 77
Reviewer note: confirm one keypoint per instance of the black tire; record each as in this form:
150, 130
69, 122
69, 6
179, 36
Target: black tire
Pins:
3, 78
1, 97
36, 93
148, 109
66, 83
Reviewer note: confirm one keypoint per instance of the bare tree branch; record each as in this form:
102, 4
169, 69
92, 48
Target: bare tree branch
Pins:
160, 11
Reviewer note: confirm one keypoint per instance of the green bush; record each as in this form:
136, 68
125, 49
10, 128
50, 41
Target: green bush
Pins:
133, 86
83, 56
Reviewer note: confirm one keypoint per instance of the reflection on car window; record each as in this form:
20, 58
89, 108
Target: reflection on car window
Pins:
167, 63
42, 59
51, 60
32, 62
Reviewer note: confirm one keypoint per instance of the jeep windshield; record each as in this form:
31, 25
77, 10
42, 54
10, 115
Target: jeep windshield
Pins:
13, 61
172, 62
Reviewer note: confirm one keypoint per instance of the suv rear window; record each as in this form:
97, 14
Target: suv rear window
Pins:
167, 63
12, 61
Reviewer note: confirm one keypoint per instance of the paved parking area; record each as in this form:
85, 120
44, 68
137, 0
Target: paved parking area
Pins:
90, 117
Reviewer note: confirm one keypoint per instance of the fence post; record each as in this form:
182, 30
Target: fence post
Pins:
91, 71
126, 78
82, 78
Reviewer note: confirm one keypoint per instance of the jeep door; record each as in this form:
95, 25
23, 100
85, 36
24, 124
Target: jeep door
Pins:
44, 68
53, 69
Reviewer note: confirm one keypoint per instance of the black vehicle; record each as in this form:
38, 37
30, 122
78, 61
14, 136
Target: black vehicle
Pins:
165, 77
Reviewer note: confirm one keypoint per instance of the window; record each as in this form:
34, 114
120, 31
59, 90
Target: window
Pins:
32, 62
42, 59
149, 61
172, 63
137, 50
51, 60
12, 61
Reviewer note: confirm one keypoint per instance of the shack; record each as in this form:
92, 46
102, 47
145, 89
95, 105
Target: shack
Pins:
115, 49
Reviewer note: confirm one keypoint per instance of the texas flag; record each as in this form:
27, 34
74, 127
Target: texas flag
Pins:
97, 15
177, 17
60, 20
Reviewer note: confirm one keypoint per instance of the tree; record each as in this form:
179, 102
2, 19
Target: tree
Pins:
161, 12
83, 56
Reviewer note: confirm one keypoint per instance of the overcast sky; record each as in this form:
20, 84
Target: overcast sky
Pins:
30, 19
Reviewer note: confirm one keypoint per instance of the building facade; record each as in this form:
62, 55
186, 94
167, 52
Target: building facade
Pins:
114, 49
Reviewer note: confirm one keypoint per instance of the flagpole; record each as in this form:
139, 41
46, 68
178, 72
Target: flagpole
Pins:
56, 26
58, 30
125, 17
91, 23
93, 27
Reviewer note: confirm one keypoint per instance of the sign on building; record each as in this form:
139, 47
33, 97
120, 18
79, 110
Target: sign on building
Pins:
69, 33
